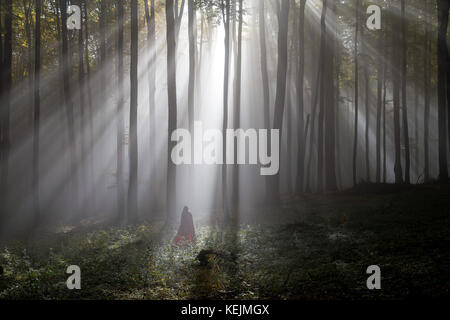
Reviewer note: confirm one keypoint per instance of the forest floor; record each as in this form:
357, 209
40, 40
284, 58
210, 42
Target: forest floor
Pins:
312, 247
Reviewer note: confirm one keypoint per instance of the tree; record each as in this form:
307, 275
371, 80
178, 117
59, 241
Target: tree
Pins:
172, 109
133, 146
300, 101
81, 91
37, 109
331, 102
5, 90
280, 96
263, 59
355, 57
404, 96
151, 38
324, 56
426, 94
396, 97
443, 87
379, 106
68, 103
120, 102
226, 16
237, 106
27, 8
192, 55
366, 101
87, 85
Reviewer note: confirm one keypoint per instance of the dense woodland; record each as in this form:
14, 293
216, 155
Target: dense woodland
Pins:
87, 114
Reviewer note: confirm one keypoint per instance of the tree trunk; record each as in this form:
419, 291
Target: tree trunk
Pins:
192, 21
426, 94
172, 112
280, 96
366, 102
396, 97
226, 22
69, 106
120, 121
37, 110
237, 109
264, 73
151, 71
133, 146
323, 80
355, 57
379, 107
299, 184
443, 8
81, 90
330, 107
27, 7
404, 97
90, 114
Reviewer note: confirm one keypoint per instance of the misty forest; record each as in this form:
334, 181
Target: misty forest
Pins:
357, 91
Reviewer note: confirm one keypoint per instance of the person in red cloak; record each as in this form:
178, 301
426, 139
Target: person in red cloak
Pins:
186, 230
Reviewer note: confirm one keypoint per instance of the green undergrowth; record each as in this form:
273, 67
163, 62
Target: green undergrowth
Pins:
319, 248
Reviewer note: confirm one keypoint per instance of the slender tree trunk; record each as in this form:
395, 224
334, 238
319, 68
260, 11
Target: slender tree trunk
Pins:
379, 107
396, 93
330, 106
69, 106
264, 73
404, 98
426, 94
2, 78
338, 117
27, 7
226, 22
172, 112
443, 8
280, 96
192, 21
292, 66
120, 121
90, 114
81, 90
237, 109
367, 104
355, 57
384, 124
37, 109
133, 145
102, 31
151, 67
299, 184
324, 64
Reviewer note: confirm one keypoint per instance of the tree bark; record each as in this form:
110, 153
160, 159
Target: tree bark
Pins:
226, 22
237, 108
426, 94
120, 121
299, 184
172, 110
443, 8
355, 57
280, 96
396, 93
330, 107
404, 98
133, 146
37, 110
69, 106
